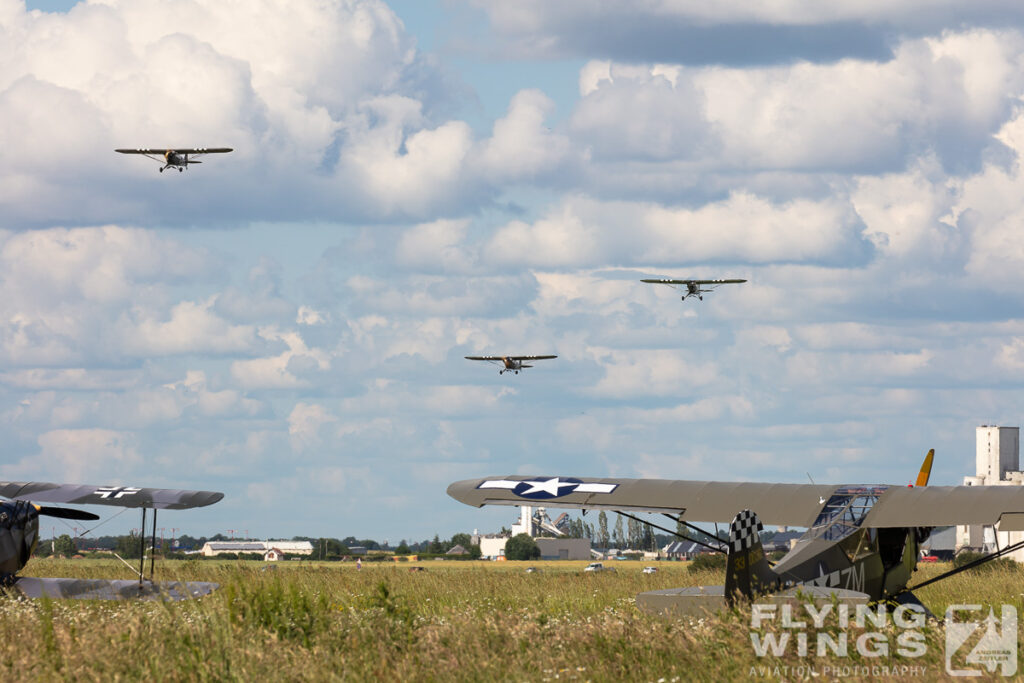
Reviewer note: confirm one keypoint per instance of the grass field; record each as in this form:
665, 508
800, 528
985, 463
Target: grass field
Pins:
455, 621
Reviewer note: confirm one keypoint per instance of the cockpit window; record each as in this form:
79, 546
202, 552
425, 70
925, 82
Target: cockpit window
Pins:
844, 511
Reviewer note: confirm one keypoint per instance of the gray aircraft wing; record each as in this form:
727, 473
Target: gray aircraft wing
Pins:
698, 501
120, 496
904, 506
497, 358
177, 150
782, 504
662, 281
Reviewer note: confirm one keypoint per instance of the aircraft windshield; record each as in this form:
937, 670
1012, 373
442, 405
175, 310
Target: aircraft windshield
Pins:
844, 511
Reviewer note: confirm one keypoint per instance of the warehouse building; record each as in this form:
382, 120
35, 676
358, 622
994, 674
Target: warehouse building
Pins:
997, 463
214, 548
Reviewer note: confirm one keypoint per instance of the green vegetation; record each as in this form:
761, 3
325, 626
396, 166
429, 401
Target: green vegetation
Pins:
522, 547
708, 561
967, 557
470, 621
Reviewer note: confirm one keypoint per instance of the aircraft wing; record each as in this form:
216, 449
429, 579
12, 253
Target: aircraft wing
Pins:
531, 357
121, 496
698, 501
177, 150
485, 358
203, 150
903, 506
693, 282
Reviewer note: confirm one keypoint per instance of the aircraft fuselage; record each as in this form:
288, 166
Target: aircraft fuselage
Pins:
878, 562
19, 533
512, 365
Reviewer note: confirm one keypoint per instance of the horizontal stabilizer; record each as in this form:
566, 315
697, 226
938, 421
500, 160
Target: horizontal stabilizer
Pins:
67, 513
105, 589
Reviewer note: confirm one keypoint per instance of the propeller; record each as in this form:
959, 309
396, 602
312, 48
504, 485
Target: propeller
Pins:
67, 513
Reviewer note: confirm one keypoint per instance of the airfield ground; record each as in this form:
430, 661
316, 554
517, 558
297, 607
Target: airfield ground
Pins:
455, 621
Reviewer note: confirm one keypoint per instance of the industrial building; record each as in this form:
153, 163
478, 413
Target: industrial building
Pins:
213, 548
535, 521
997, 463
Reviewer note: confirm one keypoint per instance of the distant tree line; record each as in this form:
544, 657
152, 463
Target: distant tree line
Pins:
624, 534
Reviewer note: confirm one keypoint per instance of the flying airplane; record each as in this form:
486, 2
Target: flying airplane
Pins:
178, 157
510, 363
19, 534
693, 287
861, 540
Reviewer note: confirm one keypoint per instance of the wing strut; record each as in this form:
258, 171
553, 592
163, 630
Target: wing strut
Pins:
695, 528
970, 565
142, 549
152, 549
669, 531
142, 546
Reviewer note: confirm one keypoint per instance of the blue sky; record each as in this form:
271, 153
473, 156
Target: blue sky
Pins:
420, 181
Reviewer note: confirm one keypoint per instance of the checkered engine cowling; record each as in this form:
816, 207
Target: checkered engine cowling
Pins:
743, 531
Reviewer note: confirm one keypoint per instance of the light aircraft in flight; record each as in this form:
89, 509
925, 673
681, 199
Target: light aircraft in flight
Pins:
510, 363
178, 157
19, 534
861, 543
694, 287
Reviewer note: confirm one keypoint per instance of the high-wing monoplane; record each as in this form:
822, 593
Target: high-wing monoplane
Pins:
694, 287
179, 157
19, 534
860, 539
510, 363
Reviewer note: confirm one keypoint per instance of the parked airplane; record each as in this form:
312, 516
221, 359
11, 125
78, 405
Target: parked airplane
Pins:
19, 533
862, 539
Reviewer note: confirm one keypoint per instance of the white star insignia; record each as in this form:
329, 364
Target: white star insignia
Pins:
551, 486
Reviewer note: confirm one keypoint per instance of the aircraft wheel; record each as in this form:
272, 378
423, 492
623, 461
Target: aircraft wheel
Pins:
517, 372
161, 170
180, 170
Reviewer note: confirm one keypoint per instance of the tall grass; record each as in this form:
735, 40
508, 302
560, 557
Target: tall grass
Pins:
456, 621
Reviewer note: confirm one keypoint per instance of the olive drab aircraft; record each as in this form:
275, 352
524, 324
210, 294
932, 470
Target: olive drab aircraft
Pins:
510, 363
179, 157
694, 287
19, 534
861, 540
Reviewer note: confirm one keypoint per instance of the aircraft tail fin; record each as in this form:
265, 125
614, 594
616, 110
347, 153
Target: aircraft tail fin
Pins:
747, 572
926, 469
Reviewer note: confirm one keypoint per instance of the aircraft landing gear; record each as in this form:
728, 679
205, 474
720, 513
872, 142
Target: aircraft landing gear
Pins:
517, 372
701, 298
180, 170
161, 170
